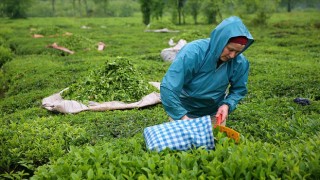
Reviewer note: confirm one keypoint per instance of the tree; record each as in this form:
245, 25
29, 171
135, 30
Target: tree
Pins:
194, 7
157, 8
261, 9
15, 8
180, 5
88, 11
177, 7
211, 9
146, 6
126, 10
78, 7
290, 4
103, 4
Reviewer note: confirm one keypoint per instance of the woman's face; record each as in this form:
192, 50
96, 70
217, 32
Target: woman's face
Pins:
230, 51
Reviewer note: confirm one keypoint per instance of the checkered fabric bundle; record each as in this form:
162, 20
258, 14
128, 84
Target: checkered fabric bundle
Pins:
180, 135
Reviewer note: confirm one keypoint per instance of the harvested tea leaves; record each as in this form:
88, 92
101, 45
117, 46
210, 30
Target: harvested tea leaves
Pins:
117, 80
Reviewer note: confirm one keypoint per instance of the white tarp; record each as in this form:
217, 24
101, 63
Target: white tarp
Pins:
56, 103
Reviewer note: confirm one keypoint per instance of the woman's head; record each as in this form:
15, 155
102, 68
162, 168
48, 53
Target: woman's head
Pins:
234, 46
222, 37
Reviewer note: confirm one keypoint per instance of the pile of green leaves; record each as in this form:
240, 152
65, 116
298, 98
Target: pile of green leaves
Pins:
77, 42
47, 31
118, 80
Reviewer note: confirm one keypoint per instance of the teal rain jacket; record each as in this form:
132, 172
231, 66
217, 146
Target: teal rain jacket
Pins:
194, 86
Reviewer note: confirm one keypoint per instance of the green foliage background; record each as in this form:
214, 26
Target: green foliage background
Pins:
280, 139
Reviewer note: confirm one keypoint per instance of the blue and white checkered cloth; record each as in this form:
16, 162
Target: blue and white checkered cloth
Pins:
180, 135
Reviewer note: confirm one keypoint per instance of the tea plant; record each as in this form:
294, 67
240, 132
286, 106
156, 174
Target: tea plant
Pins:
5, 55
26, 144
247, 160
192, 35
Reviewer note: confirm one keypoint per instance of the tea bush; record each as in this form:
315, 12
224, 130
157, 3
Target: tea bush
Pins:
227, 161
47, 31
192, 35
2, 41
5, 55
161, 24
33, 142
29, 46
5, 33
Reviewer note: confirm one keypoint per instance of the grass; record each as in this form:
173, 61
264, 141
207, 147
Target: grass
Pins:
280, 139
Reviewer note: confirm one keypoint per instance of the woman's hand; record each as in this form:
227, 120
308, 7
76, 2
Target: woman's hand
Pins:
223, 110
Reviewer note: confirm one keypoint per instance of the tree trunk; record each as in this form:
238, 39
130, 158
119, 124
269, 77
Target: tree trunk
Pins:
79, 2
179, 5
179, 16
289, 6
53, 3
74, 7
87, 8
195, 17
145, 6
105, 7
183, 17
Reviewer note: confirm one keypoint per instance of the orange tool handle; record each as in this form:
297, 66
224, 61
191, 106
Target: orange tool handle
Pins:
230, 132
219, 119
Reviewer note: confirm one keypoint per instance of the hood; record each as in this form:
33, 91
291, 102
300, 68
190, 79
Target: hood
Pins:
228, 28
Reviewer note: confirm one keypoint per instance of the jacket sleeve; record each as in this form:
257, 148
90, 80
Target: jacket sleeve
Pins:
238, 85
179, 73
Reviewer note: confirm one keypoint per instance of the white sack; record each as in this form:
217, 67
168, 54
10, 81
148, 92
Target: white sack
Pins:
169, 54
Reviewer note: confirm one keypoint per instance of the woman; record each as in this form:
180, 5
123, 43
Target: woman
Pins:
197, 81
